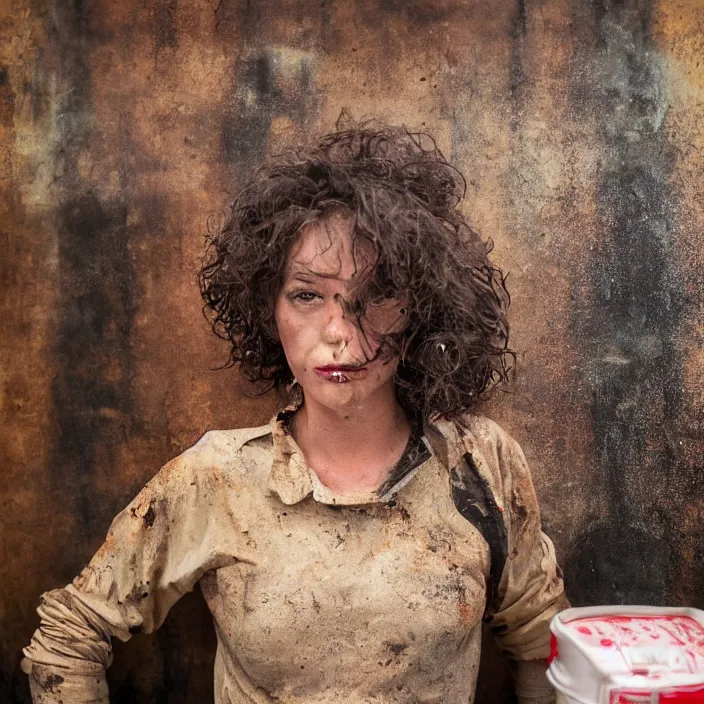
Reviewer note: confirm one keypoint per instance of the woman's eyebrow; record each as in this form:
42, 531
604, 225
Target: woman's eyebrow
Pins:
307, 276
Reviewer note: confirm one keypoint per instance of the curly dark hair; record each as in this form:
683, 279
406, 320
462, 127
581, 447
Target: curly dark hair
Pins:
404, 198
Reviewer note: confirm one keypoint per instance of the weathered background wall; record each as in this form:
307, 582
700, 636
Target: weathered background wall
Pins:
126, 124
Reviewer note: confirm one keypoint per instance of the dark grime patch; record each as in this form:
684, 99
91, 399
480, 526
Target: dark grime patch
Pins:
137, 594
91, 392
627, 331
418, 13
519, 30
165, 24
414, 454
7, 99
95, 299
475, 501
268, 83
51, 683
150, 516
246, 130
612, 566
397, 648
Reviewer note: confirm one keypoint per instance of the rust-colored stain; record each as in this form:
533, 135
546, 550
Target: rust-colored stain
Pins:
126, 126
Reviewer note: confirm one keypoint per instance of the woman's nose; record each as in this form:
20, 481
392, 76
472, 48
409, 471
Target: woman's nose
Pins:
338, 328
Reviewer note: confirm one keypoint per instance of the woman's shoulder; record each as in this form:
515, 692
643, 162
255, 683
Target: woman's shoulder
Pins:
474, 432
488, 450
224, 444
219, 454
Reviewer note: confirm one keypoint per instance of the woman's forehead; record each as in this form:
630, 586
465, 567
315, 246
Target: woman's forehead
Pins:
328, 248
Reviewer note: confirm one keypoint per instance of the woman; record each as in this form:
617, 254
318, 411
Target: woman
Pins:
349, 549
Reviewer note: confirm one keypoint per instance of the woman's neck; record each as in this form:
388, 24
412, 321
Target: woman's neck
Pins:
352, 450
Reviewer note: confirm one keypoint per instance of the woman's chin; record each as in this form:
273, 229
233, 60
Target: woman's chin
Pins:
334, 395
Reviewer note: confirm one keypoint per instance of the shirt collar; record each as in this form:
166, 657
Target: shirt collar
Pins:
292, 480
290, 477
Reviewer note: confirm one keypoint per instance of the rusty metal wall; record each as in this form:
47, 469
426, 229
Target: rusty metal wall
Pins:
125, 125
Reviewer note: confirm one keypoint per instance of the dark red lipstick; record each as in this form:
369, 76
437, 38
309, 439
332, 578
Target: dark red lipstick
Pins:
340, 373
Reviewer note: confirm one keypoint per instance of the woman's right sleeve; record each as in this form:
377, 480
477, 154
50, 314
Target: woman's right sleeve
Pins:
155, 551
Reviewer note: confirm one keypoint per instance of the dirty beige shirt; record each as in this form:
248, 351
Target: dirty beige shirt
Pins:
316, 598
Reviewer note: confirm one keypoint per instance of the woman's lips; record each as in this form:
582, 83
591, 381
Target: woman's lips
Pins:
340, 374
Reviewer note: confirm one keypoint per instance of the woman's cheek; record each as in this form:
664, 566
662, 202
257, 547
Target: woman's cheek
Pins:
296, 341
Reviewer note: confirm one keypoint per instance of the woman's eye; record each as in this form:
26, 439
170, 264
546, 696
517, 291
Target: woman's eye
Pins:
305, 296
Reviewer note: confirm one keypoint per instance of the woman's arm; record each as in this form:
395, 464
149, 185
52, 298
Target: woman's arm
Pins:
155, 551
531, 590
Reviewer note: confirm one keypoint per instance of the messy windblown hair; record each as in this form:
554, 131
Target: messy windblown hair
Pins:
403, 196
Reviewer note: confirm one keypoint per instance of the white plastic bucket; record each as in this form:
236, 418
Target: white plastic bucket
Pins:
628, 655
566, 699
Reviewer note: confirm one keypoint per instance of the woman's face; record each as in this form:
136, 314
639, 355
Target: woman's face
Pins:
327, 353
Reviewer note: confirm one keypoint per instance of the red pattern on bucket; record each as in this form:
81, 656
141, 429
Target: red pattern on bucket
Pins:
647, 643
680, 695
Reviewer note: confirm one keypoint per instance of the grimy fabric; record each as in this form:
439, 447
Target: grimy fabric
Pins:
316, 597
